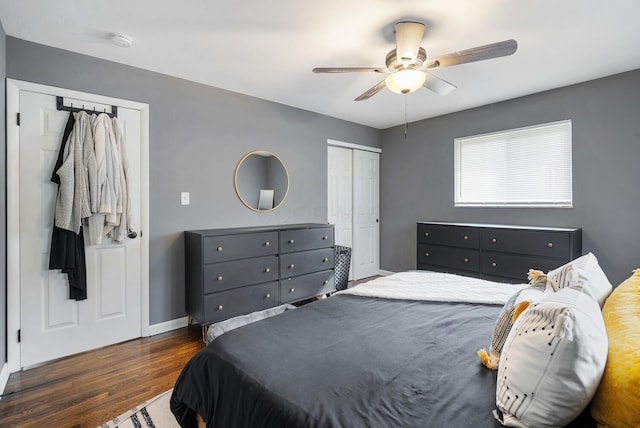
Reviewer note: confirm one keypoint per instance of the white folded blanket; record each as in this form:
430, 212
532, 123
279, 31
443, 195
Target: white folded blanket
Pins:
435, 286
218, 329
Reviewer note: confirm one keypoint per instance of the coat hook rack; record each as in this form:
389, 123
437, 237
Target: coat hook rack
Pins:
60, 106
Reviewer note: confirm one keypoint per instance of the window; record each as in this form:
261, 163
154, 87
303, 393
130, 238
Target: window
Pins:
525, 167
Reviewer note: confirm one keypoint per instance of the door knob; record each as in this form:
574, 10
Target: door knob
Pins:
131, 234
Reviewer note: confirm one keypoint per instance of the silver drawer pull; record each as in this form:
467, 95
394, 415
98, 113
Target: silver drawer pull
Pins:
291, 266
324, 238
290, 241
219, 278
266, 244
219, 249
267, 270
426, 234
291, 290
426, 254
325, 260
220, 307
325, 282
466, 260
465, 237
494, 264
550, 244
268, 296
494, 240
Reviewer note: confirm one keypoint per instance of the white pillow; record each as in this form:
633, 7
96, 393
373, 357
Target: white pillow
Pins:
582, 273
552, 361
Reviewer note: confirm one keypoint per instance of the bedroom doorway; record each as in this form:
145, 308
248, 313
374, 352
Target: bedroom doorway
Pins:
353, 206
48, 324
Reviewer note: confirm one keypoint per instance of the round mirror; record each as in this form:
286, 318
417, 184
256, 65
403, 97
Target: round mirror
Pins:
261, 180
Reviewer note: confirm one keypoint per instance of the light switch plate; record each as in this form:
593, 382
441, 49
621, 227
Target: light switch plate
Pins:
184, 198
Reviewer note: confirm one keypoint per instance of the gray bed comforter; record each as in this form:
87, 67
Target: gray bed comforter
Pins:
346, 361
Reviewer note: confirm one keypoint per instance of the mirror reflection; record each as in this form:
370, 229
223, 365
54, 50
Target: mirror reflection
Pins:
261, 180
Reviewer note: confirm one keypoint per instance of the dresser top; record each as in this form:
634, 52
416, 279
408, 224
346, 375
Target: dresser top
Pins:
229, 231
502, 226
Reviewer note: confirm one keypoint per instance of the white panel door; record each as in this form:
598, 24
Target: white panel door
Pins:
340, 195
52, 325
366, 226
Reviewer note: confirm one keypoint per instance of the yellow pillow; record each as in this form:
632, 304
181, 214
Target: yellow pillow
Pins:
617, 401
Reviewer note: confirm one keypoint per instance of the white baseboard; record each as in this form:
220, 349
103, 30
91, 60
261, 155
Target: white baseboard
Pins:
163, 327
385, 272
4, 378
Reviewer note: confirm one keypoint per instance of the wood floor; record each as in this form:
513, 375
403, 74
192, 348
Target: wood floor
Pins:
91, 388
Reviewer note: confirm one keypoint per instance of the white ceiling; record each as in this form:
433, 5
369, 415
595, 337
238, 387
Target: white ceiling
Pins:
267, 49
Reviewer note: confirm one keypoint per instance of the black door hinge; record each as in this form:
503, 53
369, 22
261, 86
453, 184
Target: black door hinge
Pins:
18, 118
19, 336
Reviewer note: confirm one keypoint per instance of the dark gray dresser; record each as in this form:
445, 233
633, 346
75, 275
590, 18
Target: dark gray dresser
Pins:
231, 272
494, 252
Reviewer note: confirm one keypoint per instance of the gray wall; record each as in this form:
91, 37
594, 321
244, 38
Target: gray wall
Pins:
197, 136
3, 205
417, 173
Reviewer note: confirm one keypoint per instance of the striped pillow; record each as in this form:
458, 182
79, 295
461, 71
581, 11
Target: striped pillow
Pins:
514, 306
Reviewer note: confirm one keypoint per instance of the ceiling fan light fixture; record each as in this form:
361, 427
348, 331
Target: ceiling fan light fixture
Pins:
405, 81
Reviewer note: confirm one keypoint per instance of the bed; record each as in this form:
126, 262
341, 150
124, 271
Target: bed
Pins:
399, 351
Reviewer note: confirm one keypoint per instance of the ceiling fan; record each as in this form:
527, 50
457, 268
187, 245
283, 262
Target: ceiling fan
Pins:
408, 69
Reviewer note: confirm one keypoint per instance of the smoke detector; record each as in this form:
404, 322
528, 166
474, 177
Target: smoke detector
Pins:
121, 40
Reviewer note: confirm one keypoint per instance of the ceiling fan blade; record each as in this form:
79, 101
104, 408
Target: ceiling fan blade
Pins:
438, 85
408, 39
372, 91
349, 70
480, 53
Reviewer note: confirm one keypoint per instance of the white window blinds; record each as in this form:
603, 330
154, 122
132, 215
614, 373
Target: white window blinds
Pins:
525, 167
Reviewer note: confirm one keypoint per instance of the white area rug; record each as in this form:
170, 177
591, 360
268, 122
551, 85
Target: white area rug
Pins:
152, 413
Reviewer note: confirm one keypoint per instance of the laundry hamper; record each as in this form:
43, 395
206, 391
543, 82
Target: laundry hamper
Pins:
343, 263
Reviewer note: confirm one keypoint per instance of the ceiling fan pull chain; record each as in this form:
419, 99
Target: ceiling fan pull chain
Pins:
406, 115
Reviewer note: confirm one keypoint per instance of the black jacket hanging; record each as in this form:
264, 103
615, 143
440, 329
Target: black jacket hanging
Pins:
67, 248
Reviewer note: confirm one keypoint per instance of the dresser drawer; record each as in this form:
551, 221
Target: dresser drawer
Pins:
306, 239
533, 242
241, 246
237, 273
304, 286
240, 301
515, 266
456, 258
295, 264
455, 236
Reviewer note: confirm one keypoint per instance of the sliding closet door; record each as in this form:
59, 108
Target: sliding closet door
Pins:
366, 218
340, 170
52, 325
354, 206
340, 195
